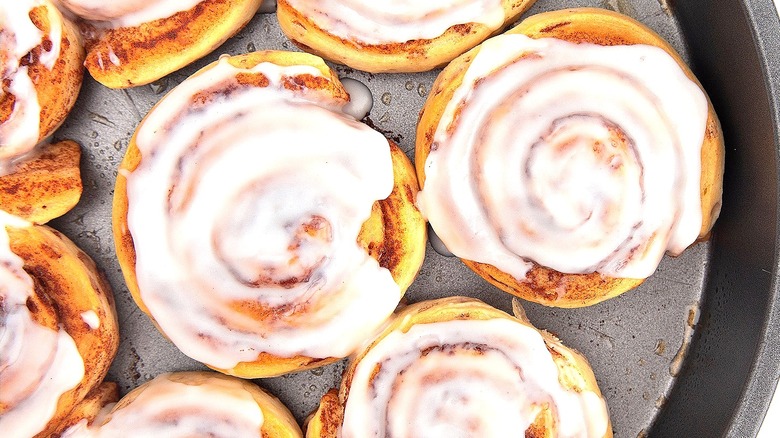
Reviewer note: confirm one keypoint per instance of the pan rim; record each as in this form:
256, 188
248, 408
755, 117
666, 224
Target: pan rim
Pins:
751, 409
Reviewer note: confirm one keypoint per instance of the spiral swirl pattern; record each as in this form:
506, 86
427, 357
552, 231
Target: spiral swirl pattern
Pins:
245, 212
38, 363
465, 378
578, 157
173, 405
393, 21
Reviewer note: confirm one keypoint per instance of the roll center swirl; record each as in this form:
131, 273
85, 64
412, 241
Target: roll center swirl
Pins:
576, 157
265, 190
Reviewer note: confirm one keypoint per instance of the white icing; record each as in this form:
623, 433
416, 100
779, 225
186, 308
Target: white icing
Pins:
167, 408
548, 184
37, 364
397, 21
127, 13
360, 99
113, 58
457, 391
18, 37
244, 175
48, 58
91, 319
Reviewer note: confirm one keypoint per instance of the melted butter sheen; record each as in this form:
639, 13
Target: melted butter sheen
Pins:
18, 36
127, 13
584, 159
477, 379
167, 408
397, 21
245, 214
37, 364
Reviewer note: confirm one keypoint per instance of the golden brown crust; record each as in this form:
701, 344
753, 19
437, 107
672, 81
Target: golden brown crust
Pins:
411, 56
398, 241
552, 288
57, 89
45, 187
574, 370
131, 56
394, 234
597, 26
106, 393
68, 284
326, 420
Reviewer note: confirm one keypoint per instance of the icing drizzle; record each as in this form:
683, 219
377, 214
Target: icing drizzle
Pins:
18, 37
582, 158
127, 13
397, 21
37, 364
165, 406
465, 378
245, 212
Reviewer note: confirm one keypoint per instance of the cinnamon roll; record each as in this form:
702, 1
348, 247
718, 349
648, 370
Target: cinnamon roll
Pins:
185, 404
562, 159
458, 367
41, 58
392, 36
58, 328
45, 186
260, 227
131, 43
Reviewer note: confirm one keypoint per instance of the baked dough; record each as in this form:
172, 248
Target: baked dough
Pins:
60, 328
136, 43
544, 284
192, 403
41, 57
302, 315
388, 37
44, 186
463, 368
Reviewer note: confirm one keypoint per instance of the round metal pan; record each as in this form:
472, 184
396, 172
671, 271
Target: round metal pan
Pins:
692, 352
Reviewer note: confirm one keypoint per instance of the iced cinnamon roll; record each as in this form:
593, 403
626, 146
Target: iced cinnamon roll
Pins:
563, 159
458, 367
58, 328
131, 43
186, 404
393, 36
41, 58
263, 229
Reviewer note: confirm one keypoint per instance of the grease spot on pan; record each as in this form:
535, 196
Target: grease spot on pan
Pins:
677, 362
